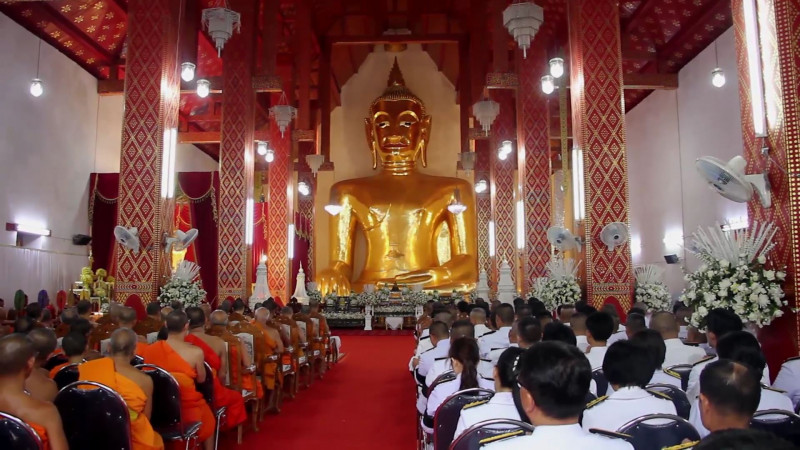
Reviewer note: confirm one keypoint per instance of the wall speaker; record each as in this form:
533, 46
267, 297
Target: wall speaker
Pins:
81, 239
672, 259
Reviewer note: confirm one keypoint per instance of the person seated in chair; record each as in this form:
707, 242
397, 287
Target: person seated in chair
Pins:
677, 352
464, 358
47, 319
628, 368
17, 354
33, 311
84, 308
240, 361
729, 396
502, 404
477, 316
185, 362
504, 319
267, 342
652, 341
529, 332
743, 439
565, 313
460, 329
743, 348
85, 328
599, 327
788, 379
558, 332
152, 323
554, 379
131, 384
237, 315
578, 324
440, 338
68, 315
76, 347
39, 383
105, 327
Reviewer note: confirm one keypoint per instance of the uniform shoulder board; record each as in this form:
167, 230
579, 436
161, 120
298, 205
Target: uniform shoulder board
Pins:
425, 337
442, 358
426, 351
488, 379
474, 404
682, 446
489, 332
610, 434
660, 395
486, 360
672, 373
498, 348
596, 401
770, 388
501, 437
704, 360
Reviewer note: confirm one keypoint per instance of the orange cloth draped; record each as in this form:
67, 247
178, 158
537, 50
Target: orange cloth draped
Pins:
232, 400
42, 432
193, 407
269, 369
102, 370
55, 369
141, 347
147, 325
237, 378
61, 330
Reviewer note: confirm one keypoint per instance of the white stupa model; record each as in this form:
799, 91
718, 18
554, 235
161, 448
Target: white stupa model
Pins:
261, 292
483, 285
300, 291
506, 289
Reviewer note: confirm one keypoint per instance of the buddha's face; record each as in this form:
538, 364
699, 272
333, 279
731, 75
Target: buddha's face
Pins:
398, 132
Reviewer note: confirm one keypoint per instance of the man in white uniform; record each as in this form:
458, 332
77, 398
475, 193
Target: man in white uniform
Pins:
504, 318
677, 352
440, 338
478, 318
578, 324
554, 379
461, 328
789, 379
599, 327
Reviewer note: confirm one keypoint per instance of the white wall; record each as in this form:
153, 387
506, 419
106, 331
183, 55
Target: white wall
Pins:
666, 133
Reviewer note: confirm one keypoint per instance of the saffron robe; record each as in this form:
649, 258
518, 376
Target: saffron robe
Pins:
269, 369
42, 432
102, 370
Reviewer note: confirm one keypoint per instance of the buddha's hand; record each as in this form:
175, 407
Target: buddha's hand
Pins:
330, 280
434, 274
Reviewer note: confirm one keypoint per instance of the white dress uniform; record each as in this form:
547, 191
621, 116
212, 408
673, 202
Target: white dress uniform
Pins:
683, 333
618, 336
492, 340
662, 377
612, 412
443, 364
693, 388
423, 345
596, 356
680, 353
789, 379
480, 330
770, 399
560, 437
427, 359
582, 343
501, 406
444, 390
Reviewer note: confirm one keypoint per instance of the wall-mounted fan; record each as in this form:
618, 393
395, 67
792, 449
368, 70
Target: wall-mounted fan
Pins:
181, 240
730, 181
614, 235
562, 239
128, 237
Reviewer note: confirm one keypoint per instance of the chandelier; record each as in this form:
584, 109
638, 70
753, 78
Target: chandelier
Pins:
486, 111
283, 113
220, 23
315, 161
523, 21
467, 160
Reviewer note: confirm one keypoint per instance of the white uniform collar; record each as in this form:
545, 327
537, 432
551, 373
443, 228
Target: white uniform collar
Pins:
629, 393
504, 398
543, 431
443, 341
673, 342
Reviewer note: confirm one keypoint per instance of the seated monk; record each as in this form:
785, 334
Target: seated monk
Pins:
238, 312
105, 326
39, 383
185, 362
240, 365
67, 317
33, 311
84, 308
296, 336
24, 325
131, 384
299, 316
267, 342
18, 354
84, 327
127, 319
152, 323
75, 348
324, 331
47, 318
216, 356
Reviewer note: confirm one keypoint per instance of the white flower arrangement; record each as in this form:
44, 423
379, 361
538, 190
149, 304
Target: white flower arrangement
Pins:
398, 310
315, 295
418, 297
183, 286
561, 286
335, 315
733, 275
650, 290
330, 298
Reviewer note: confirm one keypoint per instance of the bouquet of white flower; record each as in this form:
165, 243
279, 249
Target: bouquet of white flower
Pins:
733, 275
315, 295
418, 297
561, 286
650, 290
183, 286
365, 298
330, 298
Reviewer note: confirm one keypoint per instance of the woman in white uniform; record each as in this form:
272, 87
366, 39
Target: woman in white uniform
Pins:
502, 404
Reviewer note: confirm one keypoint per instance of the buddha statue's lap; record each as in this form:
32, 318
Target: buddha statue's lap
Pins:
399, 210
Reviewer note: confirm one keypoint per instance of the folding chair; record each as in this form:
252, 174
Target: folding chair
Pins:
166, 415
489, 431
18, 435
94, 416
669, 430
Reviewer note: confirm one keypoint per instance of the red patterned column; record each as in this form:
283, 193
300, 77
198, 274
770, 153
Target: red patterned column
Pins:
504, 184
152, 90
534, 167
483, 202
280, 210
779, 25
599, 127
236, 156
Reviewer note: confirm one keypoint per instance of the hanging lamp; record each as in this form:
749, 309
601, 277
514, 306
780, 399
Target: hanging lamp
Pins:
283, 113
523, 20
221, 22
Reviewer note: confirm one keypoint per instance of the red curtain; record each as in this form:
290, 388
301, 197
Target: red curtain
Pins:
301, 245
201, 188
259, 234
103, 194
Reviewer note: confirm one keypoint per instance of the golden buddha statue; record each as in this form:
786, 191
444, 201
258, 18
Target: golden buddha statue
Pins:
400, 211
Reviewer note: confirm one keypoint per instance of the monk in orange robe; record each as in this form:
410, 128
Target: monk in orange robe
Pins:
152, 323
18, 354
67, 317
238, 312
132, 385
268, 347
185, 362
75, 347
39, 383
215, 355
105, 326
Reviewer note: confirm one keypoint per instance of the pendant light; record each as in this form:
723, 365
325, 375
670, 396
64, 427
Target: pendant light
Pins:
717, 75
37, 86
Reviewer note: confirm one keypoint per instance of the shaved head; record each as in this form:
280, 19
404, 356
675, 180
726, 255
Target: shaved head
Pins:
44, 342
176, 321
477, 315
287, 311
123, 343
16, 351
665, 323
219, 317
114, 309
444, 316
127, 317
262, 314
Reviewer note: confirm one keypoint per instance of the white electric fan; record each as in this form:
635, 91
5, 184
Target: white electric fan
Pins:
128, 237
562, 239
181, 240
614, 235
730, 181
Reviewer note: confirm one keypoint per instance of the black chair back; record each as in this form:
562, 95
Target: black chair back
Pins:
668, 431
678, 397
137, 360
18, 435
96, 417
489, 431
784, 424
683, 370
166, 397
446, 419
207, 386
54, 361
590, 397
443, 378
66, 375
602, 383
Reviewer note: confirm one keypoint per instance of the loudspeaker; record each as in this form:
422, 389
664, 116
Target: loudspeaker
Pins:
81, 239
672, 259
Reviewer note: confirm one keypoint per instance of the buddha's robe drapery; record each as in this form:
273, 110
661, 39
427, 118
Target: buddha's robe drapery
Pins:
193, 407
232, 400
102, 370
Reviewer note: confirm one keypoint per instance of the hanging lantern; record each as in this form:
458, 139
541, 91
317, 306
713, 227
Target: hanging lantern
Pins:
283, 113
523, 21
467, 160
220, 24
486, 111
315, 162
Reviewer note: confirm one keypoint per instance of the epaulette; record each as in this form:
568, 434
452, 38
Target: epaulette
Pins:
596, 401
682, 446
610, 434
704, 360
426, 351
474, 404
488, 379
489, 332
498, 348
770, 388
442, 358
501, 437
425, 337
672, 373
486, 360
660, 395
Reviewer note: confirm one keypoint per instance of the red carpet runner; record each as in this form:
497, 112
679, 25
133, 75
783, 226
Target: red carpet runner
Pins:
364, 402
